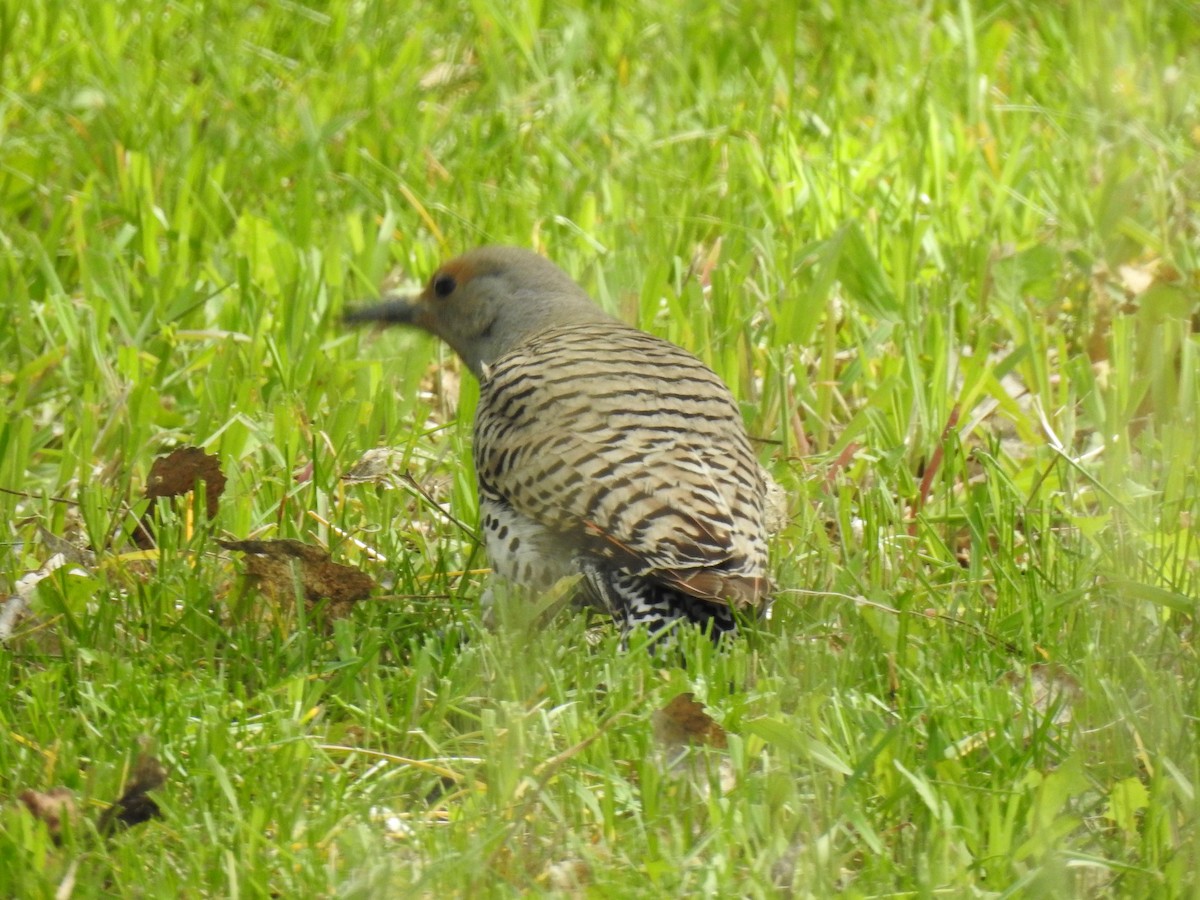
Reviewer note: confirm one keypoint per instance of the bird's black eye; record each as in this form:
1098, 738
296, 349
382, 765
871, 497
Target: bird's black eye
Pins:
444, 285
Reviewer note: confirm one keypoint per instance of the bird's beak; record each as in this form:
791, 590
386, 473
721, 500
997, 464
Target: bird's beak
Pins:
395, 309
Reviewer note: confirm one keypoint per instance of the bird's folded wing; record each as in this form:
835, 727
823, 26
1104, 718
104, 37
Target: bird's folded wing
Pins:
655, 507
634, 447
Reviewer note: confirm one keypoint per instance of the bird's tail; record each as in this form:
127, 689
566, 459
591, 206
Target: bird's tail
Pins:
635, 601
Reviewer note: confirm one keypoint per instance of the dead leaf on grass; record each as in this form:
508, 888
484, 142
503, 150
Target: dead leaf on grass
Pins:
58, 807
135, 805
693, 744
176, 474
684, 721
54, 807
279, 567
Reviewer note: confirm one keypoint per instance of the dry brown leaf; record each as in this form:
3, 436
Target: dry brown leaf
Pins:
279, 566
176, 474
684, 721
179, 472
691, 743
135, 806
54, 807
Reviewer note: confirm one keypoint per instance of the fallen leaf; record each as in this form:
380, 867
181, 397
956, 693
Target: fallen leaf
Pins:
135, 806
54, 807
683, 721
176, 474
179, 472
692, 745
280, 566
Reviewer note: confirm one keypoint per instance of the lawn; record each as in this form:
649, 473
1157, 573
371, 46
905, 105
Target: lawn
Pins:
945, 255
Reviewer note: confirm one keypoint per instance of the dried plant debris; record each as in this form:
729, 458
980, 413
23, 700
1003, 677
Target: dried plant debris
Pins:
382, 464
776, 511
61, 553
395, 825
56, 545
174, 475
684, 722
54, 807
692, 744
570, 877
135, 805
59, 809
284, 568
445, 73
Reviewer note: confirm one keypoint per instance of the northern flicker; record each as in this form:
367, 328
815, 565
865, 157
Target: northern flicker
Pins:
601, 450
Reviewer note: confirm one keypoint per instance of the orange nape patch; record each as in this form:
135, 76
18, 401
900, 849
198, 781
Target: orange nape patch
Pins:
461, 269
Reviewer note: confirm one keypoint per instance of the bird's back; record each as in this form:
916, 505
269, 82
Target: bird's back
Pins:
633, 451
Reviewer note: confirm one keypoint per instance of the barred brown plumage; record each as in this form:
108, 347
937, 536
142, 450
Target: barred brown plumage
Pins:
600, 450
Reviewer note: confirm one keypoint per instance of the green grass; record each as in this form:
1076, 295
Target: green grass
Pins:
955, 286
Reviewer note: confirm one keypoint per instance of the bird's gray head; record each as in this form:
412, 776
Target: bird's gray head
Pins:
487, 302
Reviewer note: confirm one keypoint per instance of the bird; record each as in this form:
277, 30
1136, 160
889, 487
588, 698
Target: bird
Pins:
602, 452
